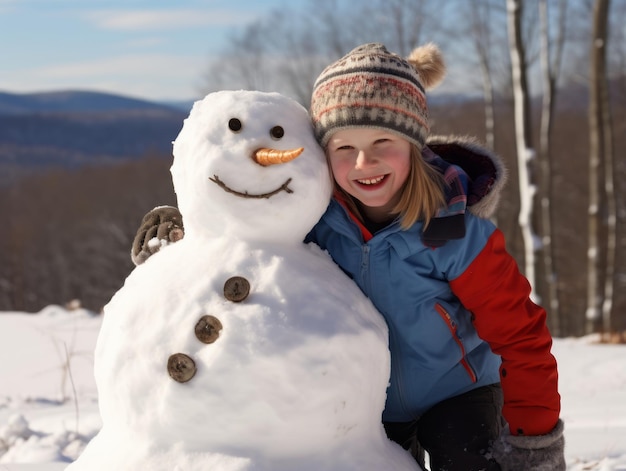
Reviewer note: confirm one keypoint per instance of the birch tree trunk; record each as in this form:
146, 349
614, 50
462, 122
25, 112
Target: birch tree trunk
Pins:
598, 122
550, 65
601, 35
522, 134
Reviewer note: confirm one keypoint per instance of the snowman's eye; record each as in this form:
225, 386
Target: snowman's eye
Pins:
234, 125
277, 132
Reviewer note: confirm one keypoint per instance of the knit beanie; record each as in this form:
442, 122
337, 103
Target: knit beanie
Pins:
373, 87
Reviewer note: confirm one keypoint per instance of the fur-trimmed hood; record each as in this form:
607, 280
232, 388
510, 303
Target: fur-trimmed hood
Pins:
485, 170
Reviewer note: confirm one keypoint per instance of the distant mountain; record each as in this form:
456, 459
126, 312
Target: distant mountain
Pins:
74, 101
75, 128
184, 105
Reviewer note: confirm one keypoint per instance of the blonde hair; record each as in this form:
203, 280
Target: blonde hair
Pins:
421, 196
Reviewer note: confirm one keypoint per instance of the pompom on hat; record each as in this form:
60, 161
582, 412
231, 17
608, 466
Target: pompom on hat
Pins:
373, 87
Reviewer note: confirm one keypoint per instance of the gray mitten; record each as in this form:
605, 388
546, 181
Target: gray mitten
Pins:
531, 453
161, 226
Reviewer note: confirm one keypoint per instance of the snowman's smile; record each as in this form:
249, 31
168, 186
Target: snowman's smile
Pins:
284, 187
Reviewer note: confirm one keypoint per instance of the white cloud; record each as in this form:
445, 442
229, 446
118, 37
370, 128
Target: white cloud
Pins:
139, 65
149, 20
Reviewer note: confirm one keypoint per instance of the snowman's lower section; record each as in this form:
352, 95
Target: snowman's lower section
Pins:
195, 374
128, 454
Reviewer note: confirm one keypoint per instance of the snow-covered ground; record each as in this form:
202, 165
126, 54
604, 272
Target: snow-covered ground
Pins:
48, 411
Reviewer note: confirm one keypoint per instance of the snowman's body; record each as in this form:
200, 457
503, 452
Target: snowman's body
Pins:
293, 325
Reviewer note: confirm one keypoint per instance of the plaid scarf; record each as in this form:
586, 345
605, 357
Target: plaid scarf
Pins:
449, 223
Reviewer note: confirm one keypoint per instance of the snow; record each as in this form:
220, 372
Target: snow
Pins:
592, 384
293, 373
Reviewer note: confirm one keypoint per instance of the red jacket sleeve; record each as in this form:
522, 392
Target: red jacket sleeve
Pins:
498, 296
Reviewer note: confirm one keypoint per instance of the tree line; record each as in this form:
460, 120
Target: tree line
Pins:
68, 233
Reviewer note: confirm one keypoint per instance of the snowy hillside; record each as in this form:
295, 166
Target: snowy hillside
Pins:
42, 428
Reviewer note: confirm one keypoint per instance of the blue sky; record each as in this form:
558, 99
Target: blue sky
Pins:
151, 49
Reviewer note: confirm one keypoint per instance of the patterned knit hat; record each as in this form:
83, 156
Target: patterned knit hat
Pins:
372, 87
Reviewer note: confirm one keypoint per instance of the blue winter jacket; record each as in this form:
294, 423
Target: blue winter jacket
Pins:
436, 351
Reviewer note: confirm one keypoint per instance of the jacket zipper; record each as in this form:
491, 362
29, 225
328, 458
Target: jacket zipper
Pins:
396, 368
395, 359
452, 326
365, 266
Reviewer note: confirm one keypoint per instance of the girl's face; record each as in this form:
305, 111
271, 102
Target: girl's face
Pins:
371, 165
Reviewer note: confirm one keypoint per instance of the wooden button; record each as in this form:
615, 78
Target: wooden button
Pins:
181, 367
236, 289
208, 329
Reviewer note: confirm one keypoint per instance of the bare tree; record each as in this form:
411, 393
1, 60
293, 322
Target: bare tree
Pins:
599, 299
286, 50
550, 65
522, 133
481, 35
596, 151
400, 24
609, 190
617, 64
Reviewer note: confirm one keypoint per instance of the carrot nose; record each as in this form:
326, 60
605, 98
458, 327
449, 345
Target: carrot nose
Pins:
267, 156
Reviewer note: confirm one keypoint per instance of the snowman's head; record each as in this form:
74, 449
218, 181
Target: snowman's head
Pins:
246, 165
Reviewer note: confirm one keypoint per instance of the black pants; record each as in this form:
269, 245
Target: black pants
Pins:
456, 432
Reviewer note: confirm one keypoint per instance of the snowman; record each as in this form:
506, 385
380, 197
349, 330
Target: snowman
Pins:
240, 347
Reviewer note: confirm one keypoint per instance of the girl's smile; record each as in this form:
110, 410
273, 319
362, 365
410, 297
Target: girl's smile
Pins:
372, 181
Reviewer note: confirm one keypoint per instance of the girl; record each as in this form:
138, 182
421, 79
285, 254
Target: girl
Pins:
473, 381
464, 334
